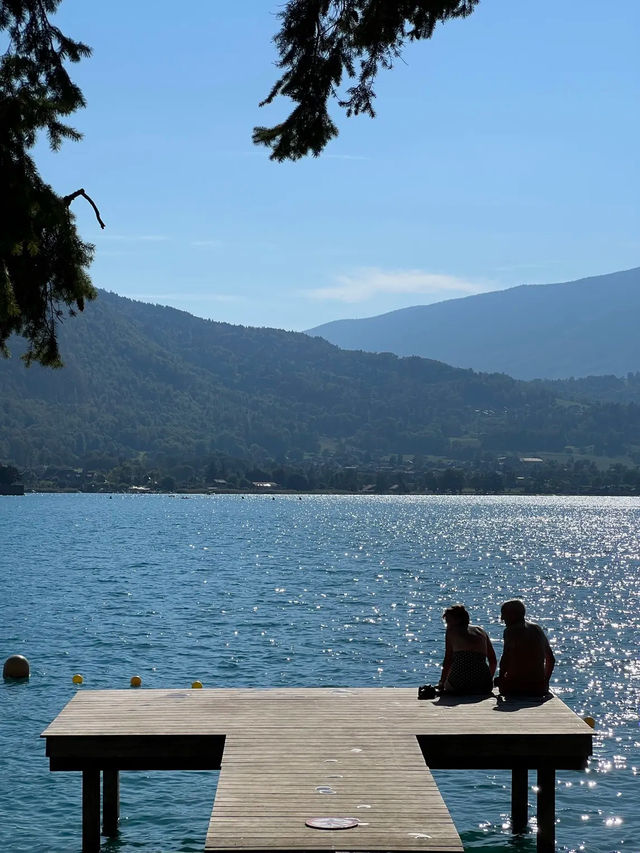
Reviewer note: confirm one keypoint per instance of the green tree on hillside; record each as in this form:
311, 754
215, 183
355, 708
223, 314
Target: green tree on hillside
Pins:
9, 474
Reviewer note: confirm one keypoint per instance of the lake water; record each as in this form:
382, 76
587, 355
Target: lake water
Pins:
318, 591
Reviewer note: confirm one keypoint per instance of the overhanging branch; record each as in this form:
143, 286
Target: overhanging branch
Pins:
69, 198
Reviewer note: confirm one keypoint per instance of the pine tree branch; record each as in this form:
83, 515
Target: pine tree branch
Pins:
322, 42
69, 198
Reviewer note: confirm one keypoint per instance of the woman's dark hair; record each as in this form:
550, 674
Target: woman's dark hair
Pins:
457, 613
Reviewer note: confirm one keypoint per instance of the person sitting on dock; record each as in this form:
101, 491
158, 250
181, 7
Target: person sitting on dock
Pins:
527, 660
469, 660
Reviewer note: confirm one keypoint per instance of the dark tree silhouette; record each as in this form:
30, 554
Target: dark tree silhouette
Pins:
321, 41
8, 474
43, 261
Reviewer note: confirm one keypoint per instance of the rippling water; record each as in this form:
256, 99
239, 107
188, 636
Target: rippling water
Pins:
324, 590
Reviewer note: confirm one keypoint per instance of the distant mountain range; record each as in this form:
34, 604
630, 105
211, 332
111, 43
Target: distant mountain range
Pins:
551, 331
148, 381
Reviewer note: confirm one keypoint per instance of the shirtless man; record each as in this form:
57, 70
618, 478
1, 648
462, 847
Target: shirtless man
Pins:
527, 660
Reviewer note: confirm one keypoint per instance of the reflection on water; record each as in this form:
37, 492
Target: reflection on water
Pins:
327, 591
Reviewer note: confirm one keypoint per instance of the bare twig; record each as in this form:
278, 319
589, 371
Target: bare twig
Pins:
69, 198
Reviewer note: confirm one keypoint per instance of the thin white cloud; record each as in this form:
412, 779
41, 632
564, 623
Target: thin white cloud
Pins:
365, 283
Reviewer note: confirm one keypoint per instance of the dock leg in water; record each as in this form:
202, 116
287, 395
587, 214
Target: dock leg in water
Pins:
90, 811
519, 799
546, 810
110, 802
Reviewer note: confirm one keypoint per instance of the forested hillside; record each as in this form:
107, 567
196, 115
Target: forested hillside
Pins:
606, 389
144, 380
551, 331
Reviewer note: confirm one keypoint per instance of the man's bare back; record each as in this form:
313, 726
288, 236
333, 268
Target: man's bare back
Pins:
527, 660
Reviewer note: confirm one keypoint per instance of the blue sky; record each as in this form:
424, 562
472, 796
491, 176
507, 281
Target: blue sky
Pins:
504, 152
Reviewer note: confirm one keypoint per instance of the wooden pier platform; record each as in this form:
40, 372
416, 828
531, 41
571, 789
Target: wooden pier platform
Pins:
287, 755
269, 786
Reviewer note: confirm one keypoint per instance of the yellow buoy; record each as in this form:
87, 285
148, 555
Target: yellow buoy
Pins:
590, 722
196, 685
77, 678
136, 681
16, 666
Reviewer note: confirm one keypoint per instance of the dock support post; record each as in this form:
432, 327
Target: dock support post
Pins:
90, 811
519, 799
546, 810
110, 802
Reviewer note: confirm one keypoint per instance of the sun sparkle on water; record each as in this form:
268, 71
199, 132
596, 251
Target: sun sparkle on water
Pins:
332, 591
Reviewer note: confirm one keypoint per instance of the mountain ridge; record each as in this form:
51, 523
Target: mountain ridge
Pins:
533, 331
152, 380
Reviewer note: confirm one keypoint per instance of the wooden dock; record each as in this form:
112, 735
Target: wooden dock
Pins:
269, 786
287, 755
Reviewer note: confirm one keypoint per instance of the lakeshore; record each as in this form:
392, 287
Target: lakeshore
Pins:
566, 473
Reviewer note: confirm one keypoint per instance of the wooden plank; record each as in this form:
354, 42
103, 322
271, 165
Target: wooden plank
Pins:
205, 711
397, 808
276, 802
